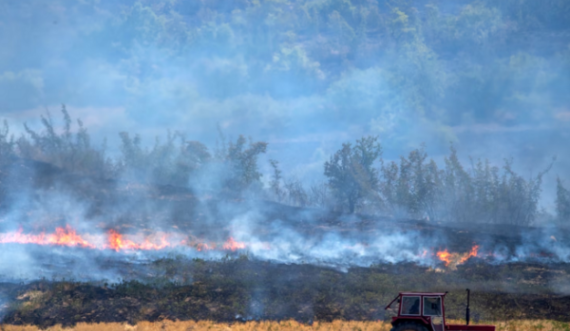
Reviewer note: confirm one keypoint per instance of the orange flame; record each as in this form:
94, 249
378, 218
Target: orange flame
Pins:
205, 246
444, 256
148, 245
233, 245
117, 243
62, 237
472, 253
67, 236
454, 259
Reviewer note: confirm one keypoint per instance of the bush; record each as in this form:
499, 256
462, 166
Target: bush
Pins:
562, 202
351, 173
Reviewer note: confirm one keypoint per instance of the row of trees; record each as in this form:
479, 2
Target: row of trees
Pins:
357, 177
232, 168
417, 187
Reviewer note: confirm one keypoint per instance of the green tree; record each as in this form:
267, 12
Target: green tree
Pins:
6, 159
241, 159
163, 164
70, 150
458, 190
276, 179
351, 173
6, 145
414, 188
194, 155
296, 193
562, 201
425, 185
485, 185
519, 204
319, 195
390, 176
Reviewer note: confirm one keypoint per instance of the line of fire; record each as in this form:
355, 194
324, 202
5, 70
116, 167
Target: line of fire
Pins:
113, 240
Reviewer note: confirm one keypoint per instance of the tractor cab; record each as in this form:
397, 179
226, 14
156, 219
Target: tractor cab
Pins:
420, 308
425, 311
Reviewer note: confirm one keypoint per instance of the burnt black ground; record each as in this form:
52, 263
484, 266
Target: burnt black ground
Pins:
240, 289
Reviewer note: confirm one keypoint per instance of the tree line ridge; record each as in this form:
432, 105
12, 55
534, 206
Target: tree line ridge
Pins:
357, 178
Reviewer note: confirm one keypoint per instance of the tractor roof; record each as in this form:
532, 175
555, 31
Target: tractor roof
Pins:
423, 293
416, 294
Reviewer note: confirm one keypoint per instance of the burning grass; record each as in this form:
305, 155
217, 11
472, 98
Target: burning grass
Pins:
291, 325
68, 237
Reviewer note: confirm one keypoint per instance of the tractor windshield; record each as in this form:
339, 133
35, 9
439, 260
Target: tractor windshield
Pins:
410, 306
432, 306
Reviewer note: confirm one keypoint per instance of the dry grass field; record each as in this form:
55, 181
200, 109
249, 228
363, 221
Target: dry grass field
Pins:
523, 325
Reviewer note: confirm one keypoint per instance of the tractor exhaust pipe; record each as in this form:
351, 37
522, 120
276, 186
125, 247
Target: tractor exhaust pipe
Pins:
467, 309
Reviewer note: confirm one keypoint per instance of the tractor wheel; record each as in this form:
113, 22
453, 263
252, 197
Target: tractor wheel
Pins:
409, 326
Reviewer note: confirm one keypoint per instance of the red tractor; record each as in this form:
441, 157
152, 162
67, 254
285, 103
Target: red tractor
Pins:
420, 311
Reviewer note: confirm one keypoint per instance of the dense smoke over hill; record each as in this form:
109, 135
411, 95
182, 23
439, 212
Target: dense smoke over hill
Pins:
304, 76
